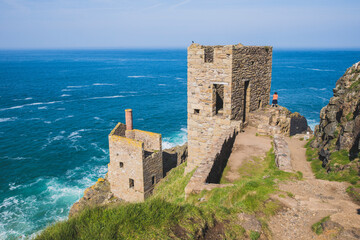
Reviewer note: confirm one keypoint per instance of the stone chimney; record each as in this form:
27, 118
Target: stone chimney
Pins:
128, 119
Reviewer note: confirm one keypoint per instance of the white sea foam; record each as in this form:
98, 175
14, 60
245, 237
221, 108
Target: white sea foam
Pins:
128, 92
97, 118
47, 122
80, 86
13, 186
8, 119
67, 90
14, 158
65, 95
161, 84
177, 139
320, 70
140, 76
19, 213
30, 104
23, 99
104, 84
323, 99
178, 78
41, 108
317, 89
312, 123
31, 119
99, 148
116, 96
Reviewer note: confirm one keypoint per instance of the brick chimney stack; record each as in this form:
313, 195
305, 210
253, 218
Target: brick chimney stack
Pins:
128, 119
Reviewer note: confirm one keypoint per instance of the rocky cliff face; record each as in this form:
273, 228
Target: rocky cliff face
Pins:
339, 128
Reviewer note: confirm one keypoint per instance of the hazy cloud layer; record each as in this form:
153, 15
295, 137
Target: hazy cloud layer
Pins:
171, 23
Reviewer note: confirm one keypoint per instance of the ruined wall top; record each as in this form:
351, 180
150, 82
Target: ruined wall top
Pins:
148, 140
234, 46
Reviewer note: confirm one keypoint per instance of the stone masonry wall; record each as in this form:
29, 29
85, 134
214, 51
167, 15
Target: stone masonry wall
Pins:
135, 157
208, 173
129, 152
152, 141
251, 64
203, 125
153, 167
228, 66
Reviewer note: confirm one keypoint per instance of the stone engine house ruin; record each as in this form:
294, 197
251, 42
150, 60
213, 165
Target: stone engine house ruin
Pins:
225, 83
135, 161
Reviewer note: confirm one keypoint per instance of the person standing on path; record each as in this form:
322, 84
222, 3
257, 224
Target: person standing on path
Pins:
275, 100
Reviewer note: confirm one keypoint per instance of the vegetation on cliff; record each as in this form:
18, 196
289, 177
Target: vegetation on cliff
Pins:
168, 215
335, 150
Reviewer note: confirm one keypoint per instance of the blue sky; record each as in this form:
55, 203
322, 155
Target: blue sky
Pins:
175, 23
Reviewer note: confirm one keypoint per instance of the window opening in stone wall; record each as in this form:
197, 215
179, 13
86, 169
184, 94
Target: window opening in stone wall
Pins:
219, 98
196, 111
246, 99
131, 183
260, 104
153, 180
209, 55
121, 164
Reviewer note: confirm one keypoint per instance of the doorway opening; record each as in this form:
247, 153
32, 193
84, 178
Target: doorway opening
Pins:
246, 99
219, 98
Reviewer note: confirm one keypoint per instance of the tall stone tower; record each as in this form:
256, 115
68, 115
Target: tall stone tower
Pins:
224, 84
135, 161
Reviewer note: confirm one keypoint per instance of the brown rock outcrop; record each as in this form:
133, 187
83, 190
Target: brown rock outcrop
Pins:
273, 120
339, 127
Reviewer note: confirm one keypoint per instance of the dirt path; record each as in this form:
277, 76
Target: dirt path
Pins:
246, 146
312, 200
298, 157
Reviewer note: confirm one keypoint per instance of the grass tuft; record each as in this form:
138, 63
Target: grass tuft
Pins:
317, 228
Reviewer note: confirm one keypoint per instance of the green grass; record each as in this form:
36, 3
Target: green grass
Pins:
254, 235
250, 193
317, 228
167, 210
349, 116
354, 192
148, 220
172, 187
337, 160
355, 85
339, 157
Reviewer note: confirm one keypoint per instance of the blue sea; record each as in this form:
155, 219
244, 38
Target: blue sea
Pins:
57, 108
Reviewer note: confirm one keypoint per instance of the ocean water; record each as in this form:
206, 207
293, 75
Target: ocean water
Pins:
58, 106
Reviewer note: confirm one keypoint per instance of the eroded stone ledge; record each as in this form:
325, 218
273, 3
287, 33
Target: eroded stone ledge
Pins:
282, 153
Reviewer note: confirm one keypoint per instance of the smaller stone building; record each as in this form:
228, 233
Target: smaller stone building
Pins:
135, 161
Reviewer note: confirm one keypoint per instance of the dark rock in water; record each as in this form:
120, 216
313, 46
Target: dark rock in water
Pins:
339, 127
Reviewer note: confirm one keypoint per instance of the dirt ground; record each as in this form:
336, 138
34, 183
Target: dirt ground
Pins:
306, 201
246, 146
313, 199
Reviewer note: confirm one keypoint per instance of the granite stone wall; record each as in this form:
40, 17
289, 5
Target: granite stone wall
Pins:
219, 73
252, 64
136, 163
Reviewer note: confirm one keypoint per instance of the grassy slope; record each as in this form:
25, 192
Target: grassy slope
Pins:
167, 212
337, 160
